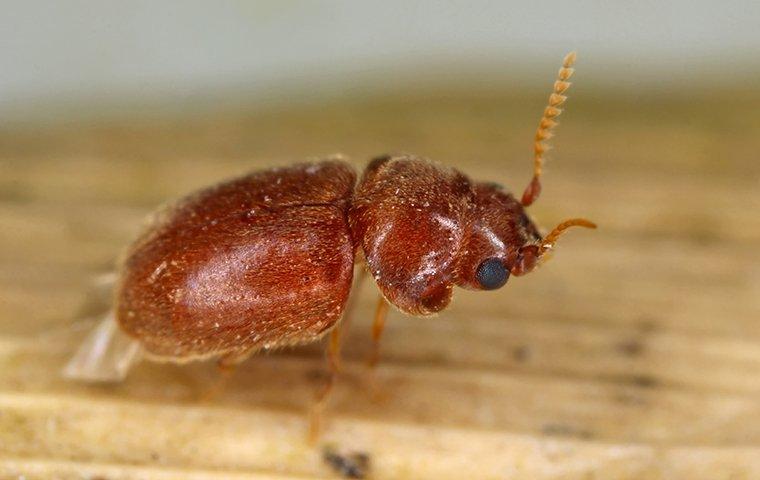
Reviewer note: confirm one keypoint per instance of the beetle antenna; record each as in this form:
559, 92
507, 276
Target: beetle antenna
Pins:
545, 126
547, 243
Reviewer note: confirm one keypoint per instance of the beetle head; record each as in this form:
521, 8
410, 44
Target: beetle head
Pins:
502, 240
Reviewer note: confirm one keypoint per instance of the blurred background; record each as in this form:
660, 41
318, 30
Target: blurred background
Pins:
633, 354
84, 58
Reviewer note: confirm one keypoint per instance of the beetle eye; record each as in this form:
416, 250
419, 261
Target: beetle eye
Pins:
492, 274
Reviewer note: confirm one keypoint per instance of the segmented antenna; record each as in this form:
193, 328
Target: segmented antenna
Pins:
545, 126
547, 243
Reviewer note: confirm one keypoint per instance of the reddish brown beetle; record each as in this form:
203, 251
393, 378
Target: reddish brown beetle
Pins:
266, 260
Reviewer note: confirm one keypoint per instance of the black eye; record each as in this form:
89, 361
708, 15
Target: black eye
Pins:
492, 274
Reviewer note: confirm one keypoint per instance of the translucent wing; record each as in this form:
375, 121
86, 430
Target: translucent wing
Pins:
106, 355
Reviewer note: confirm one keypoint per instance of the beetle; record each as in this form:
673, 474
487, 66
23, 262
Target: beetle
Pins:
266, 260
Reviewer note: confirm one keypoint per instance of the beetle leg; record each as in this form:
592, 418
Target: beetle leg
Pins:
333, 363
229, 361
226, 366
378, 325
333, 350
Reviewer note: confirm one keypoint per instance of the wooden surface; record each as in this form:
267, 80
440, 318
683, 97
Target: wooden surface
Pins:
633, 354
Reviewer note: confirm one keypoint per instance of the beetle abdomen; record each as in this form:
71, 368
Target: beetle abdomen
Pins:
261, 261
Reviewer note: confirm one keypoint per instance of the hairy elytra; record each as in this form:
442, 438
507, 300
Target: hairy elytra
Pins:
266, 260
